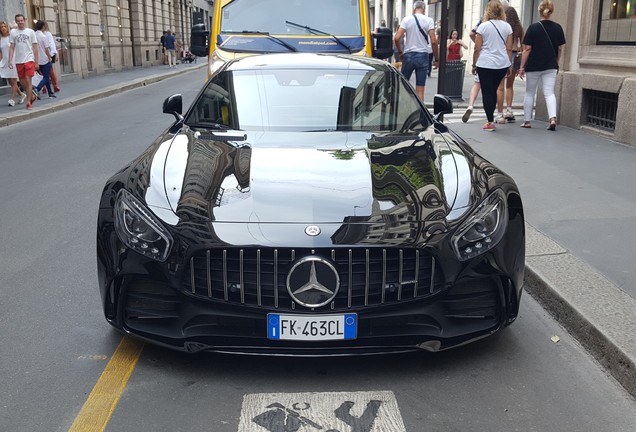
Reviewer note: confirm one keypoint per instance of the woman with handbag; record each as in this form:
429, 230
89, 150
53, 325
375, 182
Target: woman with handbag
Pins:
542, 49
492, 56
506, 88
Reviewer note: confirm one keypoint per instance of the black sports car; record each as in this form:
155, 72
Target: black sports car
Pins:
310, 204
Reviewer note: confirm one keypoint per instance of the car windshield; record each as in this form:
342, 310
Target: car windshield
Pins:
309, 100
336, 17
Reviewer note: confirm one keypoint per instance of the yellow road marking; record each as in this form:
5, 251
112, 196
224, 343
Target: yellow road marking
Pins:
101, 403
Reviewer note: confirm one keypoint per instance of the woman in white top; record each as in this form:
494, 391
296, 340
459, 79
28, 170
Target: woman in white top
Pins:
493, 56
10, 74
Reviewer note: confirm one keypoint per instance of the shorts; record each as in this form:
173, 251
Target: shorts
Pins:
25, 69
418, 62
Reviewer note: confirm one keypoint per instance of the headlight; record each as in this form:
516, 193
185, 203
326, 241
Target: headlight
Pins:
139, 229
483, 229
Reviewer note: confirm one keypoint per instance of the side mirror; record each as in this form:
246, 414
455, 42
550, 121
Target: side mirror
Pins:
382, 43
173, 105
442, 105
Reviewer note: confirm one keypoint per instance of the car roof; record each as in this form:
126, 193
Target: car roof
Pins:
307, 61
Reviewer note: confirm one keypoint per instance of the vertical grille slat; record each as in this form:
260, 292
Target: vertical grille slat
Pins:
417, 272
225, 296
258, 277
276, 278
432, 274
241, 277
209, 272
192, 279
368, 276
401, 275
350, 287
366, 279
383, 275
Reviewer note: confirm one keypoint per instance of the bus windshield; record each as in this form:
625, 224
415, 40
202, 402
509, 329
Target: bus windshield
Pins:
292, 17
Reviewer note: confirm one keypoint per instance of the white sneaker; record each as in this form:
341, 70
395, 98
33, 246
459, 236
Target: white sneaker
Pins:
11, 102
500, 119
22, 98
467, 114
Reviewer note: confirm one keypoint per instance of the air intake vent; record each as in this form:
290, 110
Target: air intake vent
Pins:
601, 109
473, 300
149, 300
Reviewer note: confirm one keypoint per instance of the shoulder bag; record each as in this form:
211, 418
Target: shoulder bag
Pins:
421, 30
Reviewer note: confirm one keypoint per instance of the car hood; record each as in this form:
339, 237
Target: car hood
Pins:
304, 177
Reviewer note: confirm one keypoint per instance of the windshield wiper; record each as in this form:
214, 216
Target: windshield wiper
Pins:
208, 133
320, 32
215, 126
262, 33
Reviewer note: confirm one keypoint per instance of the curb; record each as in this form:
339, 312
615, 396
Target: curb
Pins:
597, 313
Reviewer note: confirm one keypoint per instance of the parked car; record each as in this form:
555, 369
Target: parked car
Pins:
310, 204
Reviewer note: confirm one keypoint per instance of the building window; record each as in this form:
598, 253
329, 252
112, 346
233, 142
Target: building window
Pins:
617, 22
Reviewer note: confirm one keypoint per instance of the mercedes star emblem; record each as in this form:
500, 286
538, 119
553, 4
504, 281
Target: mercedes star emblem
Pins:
313, 282
312, 230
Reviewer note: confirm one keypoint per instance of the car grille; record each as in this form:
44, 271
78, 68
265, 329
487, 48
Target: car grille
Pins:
368, 277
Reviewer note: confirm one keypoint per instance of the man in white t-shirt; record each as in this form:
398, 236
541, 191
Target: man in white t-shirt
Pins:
44, 59
420, 41
24, 51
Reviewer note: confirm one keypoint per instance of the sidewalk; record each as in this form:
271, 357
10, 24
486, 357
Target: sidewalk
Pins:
80, 91
579, 203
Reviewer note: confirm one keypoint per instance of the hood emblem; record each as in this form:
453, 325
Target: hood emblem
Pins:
312, 230
313, 282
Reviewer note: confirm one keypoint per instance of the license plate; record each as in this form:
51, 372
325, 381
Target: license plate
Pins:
312, 327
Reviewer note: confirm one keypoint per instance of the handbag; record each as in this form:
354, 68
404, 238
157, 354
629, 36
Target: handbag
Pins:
35, 81
516, 62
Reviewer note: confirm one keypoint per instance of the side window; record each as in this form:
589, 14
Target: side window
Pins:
215, 105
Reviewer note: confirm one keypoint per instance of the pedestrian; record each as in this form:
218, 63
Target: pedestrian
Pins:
542, 49
44, 60
492, 56
10, 74
23, 52
164, 54
474, 90
170, 42
420, 41
53, 50
455, 45
506, 88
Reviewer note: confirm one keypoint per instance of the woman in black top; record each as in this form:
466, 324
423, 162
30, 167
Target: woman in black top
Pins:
543, 45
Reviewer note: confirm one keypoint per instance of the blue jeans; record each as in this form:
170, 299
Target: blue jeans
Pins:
46, 78
418, 62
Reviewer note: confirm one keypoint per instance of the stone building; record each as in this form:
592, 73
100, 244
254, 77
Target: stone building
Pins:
98, 36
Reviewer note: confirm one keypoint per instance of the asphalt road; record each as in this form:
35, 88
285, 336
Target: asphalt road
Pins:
56, 344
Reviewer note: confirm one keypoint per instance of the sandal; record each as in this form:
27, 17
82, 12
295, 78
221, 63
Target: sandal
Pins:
526, 125
552, 126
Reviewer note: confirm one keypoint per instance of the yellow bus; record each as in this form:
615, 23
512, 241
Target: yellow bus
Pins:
249, 27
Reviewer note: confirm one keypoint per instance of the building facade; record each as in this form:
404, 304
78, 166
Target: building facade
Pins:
98, 36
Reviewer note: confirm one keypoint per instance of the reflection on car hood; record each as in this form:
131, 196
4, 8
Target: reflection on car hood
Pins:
304, 177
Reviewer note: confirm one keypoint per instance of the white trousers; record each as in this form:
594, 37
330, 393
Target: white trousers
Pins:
172, 57
548, 80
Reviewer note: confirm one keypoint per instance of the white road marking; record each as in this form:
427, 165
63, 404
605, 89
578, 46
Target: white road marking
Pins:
372, 411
